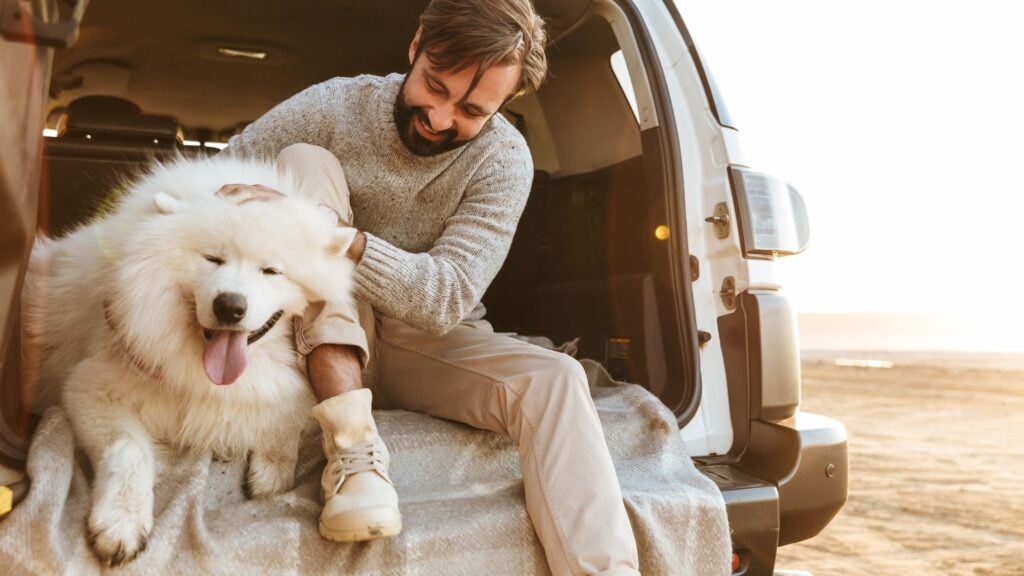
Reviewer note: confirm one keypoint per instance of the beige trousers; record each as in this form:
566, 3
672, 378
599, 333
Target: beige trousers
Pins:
471, 375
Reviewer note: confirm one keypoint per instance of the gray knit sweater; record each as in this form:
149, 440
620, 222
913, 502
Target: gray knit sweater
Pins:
437, 228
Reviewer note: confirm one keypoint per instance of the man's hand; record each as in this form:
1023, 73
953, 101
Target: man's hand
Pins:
243, 193
358, 246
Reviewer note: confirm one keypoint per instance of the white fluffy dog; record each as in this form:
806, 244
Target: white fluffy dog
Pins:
169, 321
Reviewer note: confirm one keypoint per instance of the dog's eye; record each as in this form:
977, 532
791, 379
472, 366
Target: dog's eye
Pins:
214, 259
271, 271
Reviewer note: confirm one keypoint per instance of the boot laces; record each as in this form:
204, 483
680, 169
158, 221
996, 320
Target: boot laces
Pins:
365, 456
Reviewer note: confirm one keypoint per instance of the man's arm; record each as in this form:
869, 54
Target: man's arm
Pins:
435, 290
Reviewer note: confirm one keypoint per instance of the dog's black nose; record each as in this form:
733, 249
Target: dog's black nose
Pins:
229, 307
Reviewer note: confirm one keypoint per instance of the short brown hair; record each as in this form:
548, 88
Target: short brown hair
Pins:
457, 34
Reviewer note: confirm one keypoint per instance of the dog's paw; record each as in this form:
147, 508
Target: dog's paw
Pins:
117, 536
268, 474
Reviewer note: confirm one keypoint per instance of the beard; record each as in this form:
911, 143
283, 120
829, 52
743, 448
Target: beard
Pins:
413, 140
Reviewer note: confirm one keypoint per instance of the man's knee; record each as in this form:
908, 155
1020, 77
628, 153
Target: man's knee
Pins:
302, 153
301, 158
562, 377
319, 176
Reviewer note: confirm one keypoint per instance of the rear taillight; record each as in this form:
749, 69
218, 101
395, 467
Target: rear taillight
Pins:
772, 217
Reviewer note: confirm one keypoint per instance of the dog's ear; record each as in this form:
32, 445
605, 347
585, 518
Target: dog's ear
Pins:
165, 203
341, 239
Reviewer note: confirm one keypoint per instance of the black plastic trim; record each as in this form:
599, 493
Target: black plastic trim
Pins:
732, 330
748, 334
674, 396
752, 506
786, 488
672, 170
806, 457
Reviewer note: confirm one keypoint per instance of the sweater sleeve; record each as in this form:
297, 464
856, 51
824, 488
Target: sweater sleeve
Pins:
435, 290
297, 119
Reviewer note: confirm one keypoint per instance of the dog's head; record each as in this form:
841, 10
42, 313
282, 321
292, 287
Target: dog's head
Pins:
213, 275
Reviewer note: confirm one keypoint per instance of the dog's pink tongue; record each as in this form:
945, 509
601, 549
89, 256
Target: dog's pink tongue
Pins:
224, 356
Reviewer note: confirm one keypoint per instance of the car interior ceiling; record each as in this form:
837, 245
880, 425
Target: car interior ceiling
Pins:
582, 262
175, 57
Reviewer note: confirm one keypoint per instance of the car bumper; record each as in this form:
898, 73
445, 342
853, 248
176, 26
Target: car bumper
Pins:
786, 487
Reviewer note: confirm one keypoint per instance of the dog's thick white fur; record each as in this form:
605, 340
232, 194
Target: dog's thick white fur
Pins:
120, 324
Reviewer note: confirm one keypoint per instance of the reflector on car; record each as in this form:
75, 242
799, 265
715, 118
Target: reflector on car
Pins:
772, 216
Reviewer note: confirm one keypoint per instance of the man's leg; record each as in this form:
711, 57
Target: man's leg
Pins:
541, 399
359, 501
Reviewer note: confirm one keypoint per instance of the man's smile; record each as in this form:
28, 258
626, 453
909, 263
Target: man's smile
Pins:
426, 132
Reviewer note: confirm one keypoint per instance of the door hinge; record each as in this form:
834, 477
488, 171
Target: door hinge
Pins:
720, 220
703, 338
728, 292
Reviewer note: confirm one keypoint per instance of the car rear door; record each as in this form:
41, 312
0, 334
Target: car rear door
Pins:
30, 31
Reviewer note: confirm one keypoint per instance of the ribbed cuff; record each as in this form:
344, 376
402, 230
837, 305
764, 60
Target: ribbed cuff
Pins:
381, 269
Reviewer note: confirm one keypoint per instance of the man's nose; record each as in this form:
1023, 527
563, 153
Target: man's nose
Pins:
441, 118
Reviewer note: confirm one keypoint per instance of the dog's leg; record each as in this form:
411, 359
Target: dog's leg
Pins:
123, 459
271, 468
122, 508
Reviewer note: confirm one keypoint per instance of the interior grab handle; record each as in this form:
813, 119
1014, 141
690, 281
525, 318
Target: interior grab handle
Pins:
18, 23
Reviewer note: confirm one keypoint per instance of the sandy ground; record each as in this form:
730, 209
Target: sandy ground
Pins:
936, 466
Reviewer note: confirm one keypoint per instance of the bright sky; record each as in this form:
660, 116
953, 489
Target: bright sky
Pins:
902, 124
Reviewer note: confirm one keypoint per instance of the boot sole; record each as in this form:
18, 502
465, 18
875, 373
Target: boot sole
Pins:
372, 532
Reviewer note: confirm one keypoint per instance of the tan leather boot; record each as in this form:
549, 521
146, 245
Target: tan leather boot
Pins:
359, 501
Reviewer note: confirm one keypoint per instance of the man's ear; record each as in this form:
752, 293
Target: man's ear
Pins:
341, 239
165, 203
415, 45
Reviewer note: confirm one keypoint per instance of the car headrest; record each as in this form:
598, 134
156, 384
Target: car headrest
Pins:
108, 117
101, 103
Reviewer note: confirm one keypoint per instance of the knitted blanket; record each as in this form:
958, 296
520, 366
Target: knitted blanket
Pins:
460, 491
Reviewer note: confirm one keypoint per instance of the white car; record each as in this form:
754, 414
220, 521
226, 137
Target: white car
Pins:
647, 235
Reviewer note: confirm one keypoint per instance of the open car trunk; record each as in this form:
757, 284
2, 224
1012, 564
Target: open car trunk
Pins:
593, 262
592, 259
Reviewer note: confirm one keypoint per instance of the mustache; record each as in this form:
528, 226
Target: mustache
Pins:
448, 134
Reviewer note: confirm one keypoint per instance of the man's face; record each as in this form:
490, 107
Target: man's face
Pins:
438, 111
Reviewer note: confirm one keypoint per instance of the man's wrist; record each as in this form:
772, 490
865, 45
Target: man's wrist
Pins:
358, 246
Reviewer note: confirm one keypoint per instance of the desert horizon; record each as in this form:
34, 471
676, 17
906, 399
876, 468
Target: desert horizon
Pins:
899, 332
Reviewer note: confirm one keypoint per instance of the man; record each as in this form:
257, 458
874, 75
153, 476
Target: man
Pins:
435, 180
